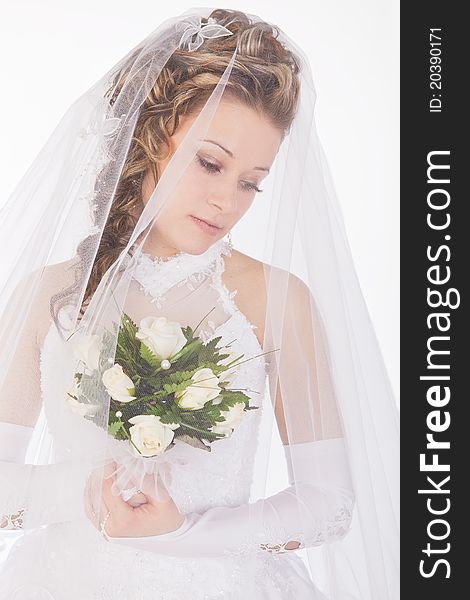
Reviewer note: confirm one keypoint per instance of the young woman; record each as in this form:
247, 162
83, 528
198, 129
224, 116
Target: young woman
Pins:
184, 415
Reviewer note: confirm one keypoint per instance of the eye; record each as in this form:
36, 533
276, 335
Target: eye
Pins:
208, 166
250, 187
211, 167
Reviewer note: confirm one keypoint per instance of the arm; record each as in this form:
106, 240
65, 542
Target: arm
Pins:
30, 495
35, 495
315, 508
14, 440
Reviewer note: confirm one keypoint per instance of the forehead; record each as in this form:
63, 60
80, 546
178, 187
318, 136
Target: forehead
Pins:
246, 133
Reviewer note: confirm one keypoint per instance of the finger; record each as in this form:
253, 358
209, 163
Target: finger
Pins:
115, 504
159, 495
154, 489
148, 485
137, 500
140, 498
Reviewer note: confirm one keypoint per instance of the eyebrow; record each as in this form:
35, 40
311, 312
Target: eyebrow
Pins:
231, 154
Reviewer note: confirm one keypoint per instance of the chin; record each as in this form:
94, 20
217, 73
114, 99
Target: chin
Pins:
196, 246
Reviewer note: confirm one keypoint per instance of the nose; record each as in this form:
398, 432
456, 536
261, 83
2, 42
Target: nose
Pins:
223, 196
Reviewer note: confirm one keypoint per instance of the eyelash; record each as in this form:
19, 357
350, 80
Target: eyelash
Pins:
212, 168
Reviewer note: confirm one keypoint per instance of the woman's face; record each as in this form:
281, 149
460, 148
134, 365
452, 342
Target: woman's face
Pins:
219, 185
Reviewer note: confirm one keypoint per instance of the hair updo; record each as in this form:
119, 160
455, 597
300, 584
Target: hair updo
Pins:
264, 76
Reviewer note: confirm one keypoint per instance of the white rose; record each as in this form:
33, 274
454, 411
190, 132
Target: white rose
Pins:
118, 385
164, 338
87, 349
230, 374
232, 417
206, 388
150, 435
79, 408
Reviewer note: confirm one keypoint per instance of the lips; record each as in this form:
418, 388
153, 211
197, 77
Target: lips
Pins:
206, 226
208, 222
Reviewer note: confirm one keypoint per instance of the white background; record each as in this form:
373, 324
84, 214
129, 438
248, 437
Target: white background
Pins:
52, 51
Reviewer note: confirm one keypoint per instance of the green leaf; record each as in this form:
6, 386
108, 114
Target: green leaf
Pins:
188, 333
149, 356
178, 376
114, 427
128, 325
170, 388
156, 409
169, 417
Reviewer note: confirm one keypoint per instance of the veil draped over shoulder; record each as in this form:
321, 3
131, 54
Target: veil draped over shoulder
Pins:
277, 439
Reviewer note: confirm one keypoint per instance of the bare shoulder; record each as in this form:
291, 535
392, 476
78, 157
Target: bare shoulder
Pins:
251, 274
244, 269
250, 277
245, 274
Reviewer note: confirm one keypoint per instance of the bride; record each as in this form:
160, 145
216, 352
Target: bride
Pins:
193, 402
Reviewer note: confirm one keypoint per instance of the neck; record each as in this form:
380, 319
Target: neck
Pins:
158, 248
163, 252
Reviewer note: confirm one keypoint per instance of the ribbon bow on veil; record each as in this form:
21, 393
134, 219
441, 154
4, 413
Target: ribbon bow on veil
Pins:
194, 27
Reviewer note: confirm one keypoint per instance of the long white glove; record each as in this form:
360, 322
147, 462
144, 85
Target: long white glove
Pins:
316, 507
34, 495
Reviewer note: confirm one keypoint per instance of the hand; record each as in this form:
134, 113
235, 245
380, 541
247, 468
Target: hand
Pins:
146, 516
137, 500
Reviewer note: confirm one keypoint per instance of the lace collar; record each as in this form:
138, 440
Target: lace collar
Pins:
158, 274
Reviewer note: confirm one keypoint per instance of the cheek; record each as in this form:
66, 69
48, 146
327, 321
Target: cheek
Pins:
244, 201
189, 192
192, 190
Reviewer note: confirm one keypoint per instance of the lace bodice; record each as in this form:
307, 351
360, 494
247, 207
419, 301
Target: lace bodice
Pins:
227, 469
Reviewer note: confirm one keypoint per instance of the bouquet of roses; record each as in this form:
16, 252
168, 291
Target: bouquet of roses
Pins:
165, 383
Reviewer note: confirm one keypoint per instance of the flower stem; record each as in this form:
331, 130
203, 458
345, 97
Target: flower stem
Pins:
204, 431
128, 436
205, 317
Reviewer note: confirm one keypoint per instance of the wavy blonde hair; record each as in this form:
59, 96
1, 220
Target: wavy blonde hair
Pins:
264, 76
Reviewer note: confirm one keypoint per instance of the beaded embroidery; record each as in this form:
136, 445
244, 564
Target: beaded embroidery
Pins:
157, 275
13, 521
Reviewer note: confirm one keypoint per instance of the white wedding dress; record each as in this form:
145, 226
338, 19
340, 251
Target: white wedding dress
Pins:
73, 560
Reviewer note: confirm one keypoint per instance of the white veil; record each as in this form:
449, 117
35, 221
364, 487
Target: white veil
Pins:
325, 373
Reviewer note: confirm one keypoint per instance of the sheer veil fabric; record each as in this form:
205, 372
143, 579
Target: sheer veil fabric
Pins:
293, 490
